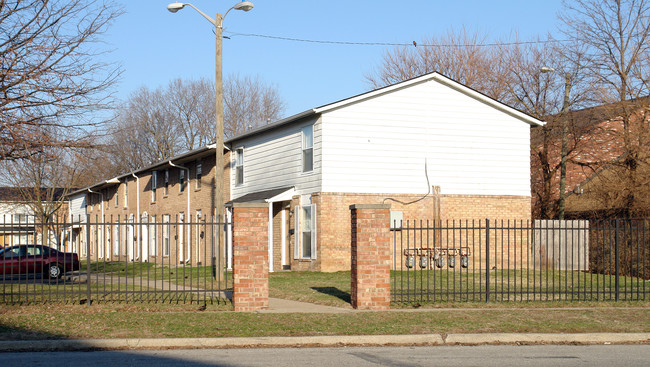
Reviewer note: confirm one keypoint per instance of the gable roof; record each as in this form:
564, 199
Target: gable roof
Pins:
178, 159
434, 76
16, 194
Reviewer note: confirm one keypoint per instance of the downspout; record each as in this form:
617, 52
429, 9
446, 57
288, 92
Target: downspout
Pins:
188, 214
270, 236
137, 209
102, 233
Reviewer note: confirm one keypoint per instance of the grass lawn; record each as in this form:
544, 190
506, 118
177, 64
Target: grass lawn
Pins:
180, 321
430, 289
169, 318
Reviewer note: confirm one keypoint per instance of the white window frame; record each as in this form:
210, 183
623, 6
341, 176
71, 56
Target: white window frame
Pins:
300, 230
239, 166
153, 236
199, 173
116, 238
166, 183
307, 147
181, 179
199, 239
126, 192
154, 185
166, 245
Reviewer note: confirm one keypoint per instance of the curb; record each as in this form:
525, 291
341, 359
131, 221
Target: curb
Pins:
323, 341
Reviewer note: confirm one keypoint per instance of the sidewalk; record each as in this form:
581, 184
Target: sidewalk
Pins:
324, 341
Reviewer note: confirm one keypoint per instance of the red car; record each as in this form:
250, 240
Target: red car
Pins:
36, 259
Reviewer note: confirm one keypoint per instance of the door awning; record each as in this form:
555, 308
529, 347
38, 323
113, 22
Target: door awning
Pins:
267, 196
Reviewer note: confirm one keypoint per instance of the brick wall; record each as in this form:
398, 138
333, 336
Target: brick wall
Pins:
250, 256
173, 203
370, 258
334, 217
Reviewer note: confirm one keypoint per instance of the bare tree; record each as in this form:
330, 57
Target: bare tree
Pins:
144, 130
192, 107
50, 79
460, 55
616, 35
153, 125
42, 183
249, 103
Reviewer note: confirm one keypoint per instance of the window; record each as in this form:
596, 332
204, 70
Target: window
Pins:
181, 237
154, 236
126, 192
239, 166
305, 244
199, 235
199, 173
20, 218
117, 196
154, 184
166, 184
116, 238
182, 179
34, 250
166, 233
308, 149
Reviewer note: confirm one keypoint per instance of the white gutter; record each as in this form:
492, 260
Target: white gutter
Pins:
137, 209
102, 232
187, 215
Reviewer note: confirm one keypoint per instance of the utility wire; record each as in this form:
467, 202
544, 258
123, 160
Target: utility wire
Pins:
391, 43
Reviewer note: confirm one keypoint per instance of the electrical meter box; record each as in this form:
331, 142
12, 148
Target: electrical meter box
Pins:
396, 217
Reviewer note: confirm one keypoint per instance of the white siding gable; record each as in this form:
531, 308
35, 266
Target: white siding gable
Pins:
274, 160
77, 208
381, 144
17, 213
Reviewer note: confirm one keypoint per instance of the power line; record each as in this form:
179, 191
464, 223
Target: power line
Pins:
351, 43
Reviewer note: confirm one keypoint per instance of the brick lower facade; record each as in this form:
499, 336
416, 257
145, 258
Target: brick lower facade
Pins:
334, 218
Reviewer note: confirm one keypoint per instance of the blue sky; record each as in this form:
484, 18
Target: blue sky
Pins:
154, 46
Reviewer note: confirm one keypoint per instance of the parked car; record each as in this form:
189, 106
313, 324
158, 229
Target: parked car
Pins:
36, 259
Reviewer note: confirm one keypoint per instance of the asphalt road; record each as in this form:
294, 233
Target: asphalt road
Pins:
480, 356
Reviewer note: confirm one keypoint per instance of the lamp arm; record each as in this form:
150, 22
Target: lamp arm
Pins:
214, 23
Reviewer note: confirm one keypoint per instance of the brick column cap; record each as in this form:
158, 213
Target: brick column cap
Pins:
247, 205
369, 206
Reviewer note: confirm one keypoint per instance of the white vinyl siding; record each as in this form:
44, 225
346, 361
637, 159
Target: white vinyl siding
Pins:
469, 147
274, 160
78, 208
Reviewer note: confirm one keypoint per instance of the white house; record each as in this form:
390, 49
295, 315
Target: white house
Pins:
431, 147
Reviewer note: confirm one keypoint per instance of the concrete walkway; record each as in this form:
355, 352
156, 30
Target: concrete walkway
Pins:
324, 341
278, 305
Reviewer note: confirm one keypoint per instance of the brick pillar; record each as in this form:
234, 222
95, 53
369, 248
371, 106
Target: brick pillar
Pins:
371, 254
250, 243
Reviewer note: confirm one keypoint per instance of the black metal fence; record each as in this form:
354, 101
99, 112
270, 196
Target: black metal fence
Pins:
488, 260
90, 260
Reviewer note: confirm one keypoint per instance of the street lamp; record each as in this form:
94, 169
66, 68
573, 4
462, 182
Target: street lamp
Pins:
565, 133
218, 23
